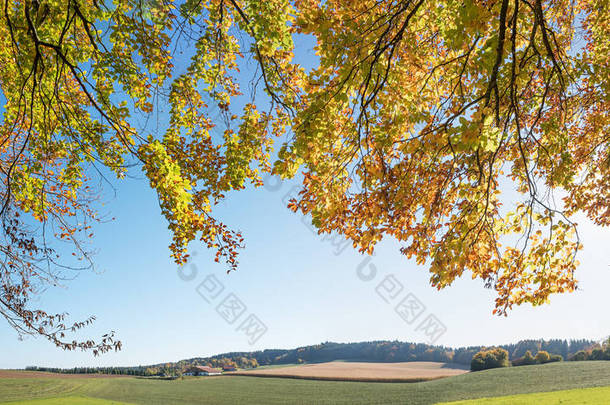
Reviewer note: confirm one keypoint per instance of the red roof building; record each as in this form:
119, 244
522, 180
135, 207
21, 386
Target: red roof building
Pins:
203, 370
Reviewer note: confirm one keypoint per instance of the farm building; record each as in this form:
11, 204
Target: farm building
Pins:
202, 370
229, 368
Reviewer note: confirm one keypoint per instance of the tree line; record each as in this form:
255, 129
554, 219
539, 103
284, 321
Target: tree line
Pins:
499, 357
372, 351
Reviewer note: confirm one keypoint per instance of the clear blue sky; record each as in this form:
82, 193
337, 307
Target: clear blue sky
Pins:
291, 279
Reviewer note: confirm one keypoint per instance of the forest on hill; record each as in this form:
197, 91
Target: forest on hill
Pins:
373, 351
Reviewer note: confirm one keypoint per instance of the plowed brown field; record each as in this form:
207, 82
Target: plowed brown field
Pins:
356, 371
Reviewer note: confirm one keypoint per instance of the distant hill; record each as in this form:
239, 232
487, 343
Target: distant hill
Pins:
394, 351
374, 351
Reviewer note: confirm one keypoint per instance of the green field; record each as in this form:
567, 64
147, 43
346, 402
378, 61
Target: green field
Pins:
66, 401
253, 390
600, 395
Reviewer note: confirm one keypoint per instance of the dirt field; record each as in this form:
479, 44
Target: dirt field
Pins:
42, 374
354, 371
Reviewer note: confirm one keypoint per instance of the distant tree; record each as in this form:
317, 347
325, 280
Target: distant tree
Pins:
523, 346
526, 360
542, 357
492, 358
556, 358
597, 354
478, 362
580, 356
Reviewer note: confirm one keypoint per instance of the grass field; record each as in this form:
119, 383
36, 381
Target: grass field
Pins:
251, 390
67, 401
599, 395
360, 371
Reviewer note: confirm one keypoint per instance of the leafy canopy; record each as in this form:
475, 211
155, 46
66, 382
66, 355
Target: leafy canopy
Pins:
421, 121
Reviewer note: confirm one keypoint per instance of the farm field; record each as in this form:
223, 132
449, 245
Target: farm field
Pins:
364, 371
44, 374
67, 401
599, 395
252, 390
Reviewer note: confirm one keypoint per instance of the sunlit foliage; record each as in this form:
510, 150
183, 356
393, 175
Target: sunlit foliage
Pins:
469, 131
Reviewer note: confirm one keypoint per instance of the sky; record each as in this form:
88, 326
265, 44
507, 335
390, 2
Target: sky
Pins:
300, 287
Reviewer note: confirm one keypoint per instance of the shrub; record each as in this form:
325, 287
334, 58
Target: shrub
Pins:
526, 360
556, 357
542, 357
580, 356
478, 362
597, 354
492, 358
